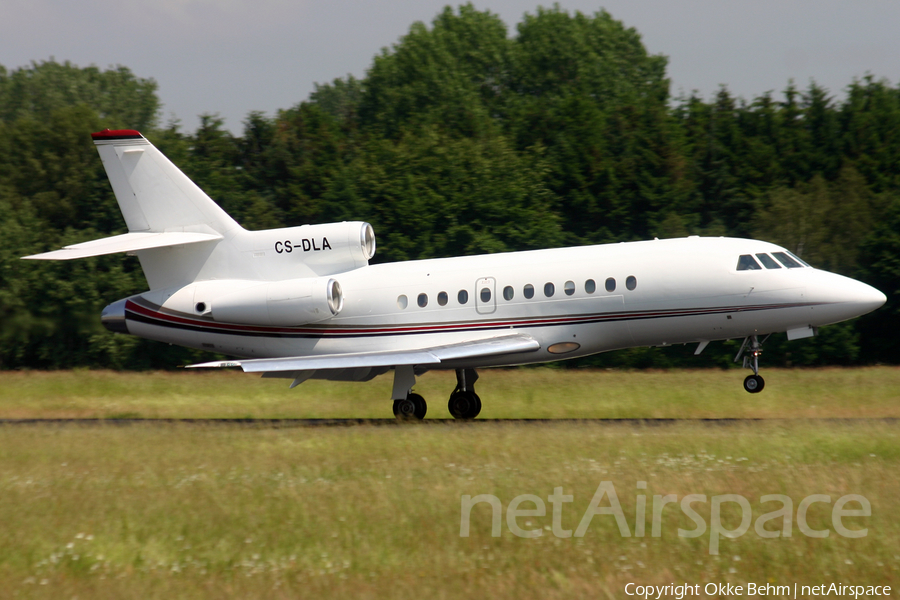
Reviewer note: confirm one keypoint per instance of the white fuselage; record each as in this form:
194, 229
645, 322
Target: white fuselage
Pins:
684, 290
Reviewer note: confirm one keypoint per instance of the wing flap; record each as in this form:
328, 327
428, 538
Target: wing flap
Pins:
127, 242
506, 344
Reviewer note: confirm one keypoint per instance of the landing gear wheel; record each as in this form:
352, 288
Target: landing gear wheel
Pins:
411, 407
421, 406
754, 384
464, 405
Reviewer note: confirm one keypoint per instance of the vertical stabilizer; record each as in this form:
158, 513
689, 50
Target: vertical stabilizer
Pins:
153, 194
155, 197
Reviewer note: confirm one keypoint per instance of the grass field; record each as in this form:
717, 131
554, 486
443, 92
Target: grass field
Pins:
506, 393
211, 511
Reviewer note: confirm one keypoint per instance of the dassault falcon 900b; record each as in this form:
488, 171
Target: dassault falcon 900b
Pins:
303, 302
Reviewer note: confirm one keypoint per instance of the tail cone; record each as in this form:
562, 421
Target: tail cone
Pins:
113, 317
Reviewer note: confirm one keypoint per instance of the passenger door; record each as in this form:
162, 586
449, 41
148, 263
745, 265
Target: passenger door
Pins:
485, 296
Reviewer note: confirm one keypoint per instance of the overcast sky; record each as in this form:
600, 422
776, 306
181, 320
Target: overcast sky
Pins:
234, 56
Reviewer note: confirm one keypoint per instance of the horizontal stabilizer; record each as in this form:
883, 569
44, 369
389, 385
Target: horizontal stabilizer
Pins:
128, 242
506, 344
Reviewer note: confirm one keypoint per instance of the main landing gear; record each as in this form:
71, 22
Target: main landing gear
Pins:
752, 383
407, 404
411, 407
464, 402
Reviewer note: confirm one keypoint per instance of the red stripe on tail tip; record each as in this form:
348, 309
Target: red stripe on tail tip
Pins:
113, 134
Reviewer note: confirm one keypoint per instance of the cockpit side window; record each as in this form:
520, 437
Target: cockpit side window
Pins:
747, 263
767, 261
786, 260
798, 259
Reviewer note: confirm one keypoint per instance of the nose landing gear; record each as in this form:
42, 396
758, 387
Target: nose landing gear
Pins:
752, 383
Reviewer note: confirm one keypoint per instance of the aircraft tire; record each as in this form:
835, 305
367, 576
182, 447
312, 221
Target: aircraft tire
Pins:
754, 384
464, 405
477, 408
421, 405
405, 409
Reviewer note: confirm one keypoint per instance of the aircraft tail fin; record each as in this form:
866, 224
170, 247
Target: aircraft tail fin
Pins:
153, 194
173, 226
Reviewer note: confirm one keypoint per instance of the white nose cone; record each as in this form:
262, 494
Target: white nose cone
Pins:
837, 298
870, 298
855, 297
863, 298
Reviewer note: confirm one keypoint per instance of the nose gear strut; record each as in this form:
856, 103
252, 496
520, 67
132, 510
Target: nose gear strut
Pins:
752, 383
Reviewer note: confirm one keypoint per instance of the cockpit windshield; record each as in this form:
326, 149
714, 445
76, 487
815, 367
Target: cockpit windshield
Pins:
747, 262
798, 259
786, 260
768, 261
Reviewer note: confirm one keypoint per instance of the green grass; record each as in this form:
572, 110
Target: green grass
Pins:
506, 393
212, 511
183, 511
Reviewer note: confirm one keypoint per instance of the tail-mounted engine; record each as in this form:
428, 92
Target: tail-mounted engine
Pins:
280, 303
279, 277
324, 249
286, 303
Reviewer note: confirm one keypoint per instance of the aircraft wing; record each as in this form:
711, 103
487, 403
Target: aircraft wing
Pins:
127, 242
503, 344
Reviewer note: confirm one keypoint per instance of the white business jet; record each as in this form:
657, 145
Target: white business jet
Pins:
303, 302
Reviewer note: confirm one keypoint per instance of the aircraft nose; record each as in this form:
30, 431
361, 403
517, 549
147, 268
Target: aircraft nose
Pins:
868, 298
113, 317
860, 297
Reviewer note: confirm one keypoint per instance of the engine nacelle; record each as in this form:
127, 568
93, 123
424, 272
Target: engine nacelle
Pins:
279, 303
325, 249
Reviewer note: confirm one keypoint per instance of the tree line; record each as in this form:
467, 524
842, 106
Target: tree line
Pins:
463, 138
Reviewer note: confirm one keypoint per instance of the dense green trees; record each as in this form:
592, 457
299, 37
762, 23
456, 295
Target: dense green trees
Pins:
464, 138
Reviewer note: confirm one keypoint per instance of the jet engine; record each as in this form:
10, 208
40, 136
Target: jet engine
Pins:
279, 303
324, 249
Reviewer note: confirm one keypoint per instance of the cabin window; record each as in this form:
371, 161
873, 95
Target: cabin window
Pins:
402, 302
569, 288
528, 291
422, 300
590, 286
508, 293
631, 282
462, 297
485, 294
747, 263
549, 289
442, 298
786, 260
767, 261
610, 285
